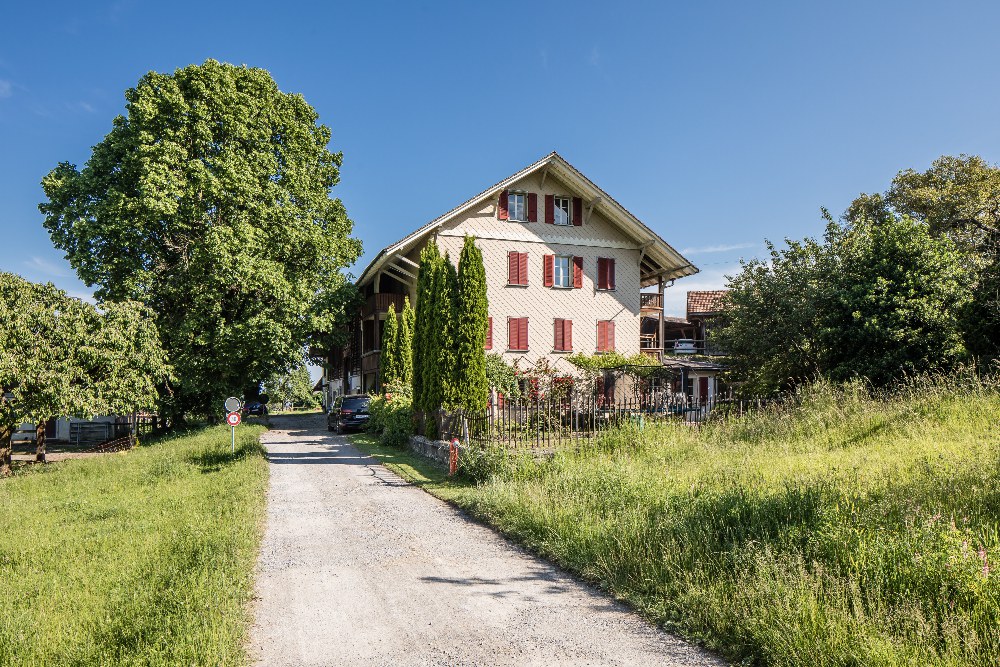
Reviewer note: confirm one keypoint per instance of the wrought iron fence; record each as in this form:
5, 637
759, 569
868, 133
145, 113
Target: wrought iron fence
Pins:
554, 422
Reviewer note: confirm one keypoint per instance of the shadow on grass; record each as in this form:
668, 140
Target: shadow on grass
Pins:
217, 459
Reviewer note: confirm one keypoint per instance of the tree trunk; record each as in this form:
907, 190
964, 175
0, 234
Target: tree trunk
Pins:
40, 441
5, 432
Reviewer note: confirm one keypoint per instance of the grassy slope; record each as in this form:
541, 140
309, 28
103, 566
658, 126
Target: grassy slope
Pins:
138, 558
846, 532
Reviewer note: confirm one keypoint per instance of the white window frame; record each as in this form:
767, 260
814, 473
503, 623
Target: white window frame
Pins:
513, 198
557, 206
568, 275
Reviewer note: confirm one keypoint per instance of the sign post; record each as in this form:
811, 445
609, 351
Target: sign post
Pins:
233, 419
233, 406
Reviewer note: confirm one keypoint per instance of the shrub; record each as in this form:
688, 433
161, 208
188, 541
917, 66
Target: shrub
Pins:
391, 415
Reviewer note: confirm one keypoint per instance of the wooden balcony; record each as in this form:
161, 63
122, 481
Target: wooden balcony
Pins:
379, 303
650, 302
369, 362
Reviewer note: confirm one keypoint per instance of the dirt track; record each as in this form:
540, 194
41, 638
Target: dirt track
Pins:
360, 568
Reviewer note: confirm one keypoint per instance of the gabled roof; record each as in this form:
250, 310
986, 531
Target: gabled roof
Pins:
705, 302
660, 259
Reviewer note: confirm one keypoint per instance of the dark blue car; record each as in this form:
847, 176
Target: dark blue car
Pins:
348, 412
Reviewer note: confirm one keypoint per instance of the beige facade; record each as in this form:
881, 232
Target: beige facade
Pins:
584, 306
641, 259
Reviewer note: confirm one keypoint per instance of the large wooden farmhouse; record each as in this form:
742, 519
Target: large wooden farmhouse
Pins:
568, 268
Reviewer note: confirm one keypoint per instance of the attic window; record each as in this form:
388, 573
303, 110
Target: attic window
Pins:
517, 207
561, 210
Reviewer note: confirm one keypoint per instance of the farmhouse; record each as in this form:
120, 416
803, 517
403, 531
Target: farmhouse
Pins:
568, 269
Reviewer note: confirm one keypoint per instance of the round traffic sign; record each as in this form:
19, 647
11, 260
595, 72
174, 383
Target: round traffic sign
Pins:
233, 419
233, 404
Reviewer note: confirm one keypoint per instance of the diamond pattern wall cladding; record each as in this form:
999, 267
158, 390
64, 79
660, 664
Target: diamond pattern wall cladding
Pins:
543, 305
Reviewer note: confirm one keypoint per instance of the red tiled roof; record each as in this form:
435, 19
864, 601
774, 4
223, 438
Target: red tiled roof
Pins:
708, 301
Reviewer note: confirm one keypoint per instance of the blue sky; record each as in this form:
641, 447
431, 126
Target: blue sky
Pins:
719, 124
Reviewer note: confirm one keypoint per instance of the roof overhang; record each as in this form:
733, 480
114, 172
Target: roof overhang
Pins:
659, 260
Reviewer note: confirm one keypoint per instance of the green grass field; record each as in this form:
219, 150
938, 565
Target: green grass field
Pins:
140, 558
845, 531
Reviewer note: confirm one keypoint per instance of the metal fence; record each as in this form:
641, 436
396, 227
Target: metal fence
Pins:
93, 433
550, 423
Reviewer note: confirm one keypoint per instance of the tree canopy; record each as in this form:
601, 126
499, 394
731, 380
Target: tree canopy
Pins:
294, 387
876, 299
958, 198
209, 201
60, 356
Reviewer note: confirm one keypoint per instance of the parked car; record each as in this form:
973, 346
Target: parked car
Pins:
255, 408
348, 412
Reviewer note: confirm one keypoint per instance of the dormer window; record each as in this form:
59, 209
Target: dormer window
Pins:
561, 210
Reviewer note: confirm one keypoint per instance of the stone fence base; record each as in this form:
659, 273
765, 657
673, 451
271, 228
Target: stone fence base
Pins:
437, 450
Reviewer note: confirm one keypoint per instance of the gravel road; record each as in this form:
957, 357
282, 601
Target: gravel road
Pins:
359, 567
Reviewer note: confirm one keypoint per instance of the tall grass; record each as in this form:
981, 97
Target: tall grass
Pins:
142, 558
844, 530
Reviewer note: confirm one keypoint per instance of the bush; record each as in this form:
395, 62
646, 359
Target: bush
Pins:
391, 415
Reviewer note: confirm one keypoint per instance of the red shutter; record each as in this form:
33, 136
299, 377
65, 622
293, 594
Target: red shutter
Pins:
611, 272
611, 336
602, 273
502, 206
522, 268
513, 265
560, 342
532, 207
512, 333
602, 336
577, 211
568, 334
578, 272
489, 333
522, 332
548, 270
550, 209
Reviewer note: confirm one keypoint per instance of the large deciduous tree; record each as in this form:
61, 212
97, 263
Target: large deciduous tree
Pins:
958, 198
61, 357
877, 299
470, 329
209, 201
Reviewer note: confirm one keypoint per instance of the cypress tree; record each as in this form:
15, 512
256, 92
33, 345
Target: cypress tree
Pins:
472, 312
406, 343
389, 361
447, 316
423, 334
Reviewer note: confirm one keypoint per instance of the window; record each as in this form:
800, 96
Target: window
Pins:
605, 273
605, 336
517, 268
517, 334
517, 207
560, 209
563, 341
562, 271
563, 277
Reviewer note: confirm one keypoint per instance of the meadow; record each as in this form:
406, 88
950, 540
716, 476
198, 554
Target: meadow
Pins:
140, 558
843, 529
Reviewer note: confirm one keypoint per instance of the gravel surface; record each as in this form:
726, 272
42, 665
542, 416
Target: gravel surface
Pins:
358, 567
